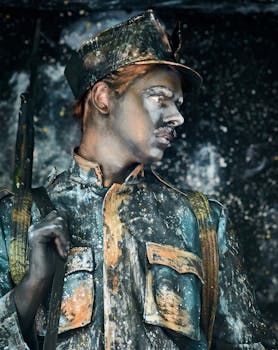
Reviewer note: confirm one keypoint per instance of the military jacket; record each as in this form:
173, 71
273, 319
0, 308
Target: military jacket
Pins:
134, 271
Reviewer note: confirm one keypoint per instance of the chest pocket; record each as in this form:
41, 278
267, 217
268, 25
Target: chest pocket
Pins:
78, 293
173, 287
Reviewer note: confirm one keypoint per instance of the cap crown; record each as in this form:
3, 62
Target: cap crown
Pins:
139, 39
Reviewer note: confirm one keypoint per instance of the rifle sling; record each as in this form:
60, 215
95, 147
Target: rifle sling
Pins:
45, 206
42, 200
210, 260
20, 222
210, 256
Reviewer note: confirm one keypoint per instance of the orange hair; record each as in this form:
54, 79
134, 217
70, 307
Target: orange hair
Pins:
118, 81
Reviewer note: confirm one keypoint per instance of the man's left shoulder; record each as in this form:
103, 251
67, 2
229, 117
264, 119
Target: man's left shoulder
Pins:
217, 208
158, 183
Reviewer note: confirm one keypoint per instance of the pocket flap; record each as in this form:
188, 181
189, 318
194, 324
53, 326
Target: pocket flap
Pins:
180, 260
78, 293
79, 259
173, 289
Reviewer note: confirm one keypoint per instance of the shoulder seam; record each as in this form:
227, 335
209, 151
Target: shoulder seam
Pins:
56, 178
167, 183
8, 191
217, 202
181, 192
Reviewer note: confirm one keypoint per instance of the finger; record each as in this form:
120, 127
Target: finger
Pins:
61, 232
44, 230
63, 236
45, 233
55, 217
51, 215
63, 214
52, 234
61, 221
62, 226
61, 248
48, 220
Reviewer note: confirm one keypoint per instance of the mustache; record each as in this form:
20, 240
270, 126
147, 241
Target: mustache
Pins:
166, 130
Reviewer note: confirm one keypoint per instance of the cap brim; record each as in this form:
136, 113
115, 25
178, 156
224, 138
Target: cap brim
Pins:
192, 79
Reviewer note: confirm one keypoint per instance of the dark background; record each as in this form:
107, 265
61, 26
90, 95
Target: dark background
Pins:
228, 144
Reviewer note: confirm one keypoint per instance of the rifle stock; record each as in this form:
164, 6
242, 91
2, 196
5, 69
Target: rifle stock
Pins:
22, 182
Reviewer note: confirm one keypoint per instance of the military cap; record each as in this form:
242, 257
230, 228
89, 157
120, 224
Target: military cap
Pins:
139, 40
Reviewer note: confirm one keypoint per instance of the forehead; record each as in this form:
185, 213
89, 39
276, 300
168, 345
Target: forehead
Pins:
160, 76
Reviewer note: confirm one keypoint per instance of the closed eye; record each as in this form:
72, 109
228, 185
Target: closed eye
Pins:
161, 99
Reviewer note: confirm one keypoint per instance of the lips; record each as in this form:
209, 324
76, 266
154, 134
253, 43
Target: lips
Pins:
165, 135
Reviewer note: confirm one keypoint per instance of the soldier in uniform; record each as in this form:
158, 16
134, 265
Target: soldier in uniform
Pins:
140, 254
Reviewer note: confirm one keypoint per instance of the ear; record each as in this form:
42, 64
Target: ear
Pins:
100, 97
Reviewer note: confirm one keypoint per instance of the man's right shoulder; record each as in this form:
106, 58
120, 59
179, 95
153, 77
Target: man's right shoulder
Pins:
6, 198
6, 206
59, 183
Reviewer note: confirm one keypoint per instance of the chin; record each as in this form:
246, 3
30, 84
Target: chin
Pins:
154, 156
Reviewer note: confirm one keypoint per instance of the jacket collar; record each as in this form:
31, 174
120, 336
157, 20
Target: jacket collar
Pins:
87, 172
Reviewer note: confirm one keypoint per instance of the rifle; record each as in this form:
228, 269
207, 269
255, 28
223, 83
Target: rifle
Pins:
22, 180
24, 196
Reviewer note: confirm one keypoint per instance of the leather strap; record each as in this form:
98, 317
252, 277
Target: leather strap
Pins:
42, 200
21, 218
210, 260
45, 206
210, 256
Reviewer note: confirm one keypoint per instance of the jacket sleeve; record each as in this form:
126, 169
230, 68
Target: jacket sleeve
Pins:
238, 323
10, 332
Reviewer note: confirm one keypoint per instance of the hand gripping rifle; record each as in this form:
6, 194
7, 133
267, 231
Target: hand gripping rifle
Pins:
24, 196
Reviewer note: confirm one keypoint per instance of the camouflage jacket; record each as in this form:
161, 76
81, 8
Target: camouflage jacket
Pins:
134, 272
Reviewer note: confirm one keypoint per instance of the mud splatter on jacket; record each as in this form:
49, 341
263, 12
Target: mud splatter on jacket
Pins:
134, 271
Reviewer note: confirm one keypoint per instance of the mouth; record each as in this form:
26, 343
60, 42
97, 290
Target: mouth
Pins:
165, 135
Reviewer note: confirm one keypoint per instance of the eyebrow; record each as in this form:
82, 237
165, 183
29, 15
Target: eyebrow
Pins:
160, 89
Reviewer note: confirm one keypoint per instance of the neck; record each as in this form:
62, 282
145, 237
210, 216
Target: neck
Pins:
112, 160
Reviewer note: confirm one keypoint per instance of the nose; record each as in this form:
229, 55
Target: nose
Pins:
175, 119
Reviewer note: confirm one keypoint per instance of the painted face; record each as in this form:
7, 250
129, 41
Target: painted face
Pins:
144, 118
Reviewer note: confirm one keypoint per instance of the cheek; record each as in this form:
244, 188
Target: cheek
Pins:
138, 121
152, 110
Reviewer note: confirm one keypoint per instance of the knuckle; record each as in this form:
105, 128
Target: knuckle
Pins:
30, 235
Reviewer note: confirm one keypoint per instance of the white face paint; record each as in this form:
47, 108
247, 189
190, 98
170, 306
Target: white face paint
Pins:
163, 106
147, 113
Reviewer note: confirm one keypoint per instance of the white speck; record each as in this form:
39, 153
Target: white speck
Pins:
223, 128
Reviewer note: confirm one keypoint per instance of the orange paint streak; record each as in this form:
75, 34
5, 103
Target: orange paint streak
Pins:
139, 170
77, 308
86, 165
76, 250
165, 309
180, 260
113, 227
168, 304
115, 284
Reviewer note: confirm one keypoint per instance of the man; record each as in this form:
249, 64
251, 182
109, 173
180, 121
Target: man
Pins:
135, 263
